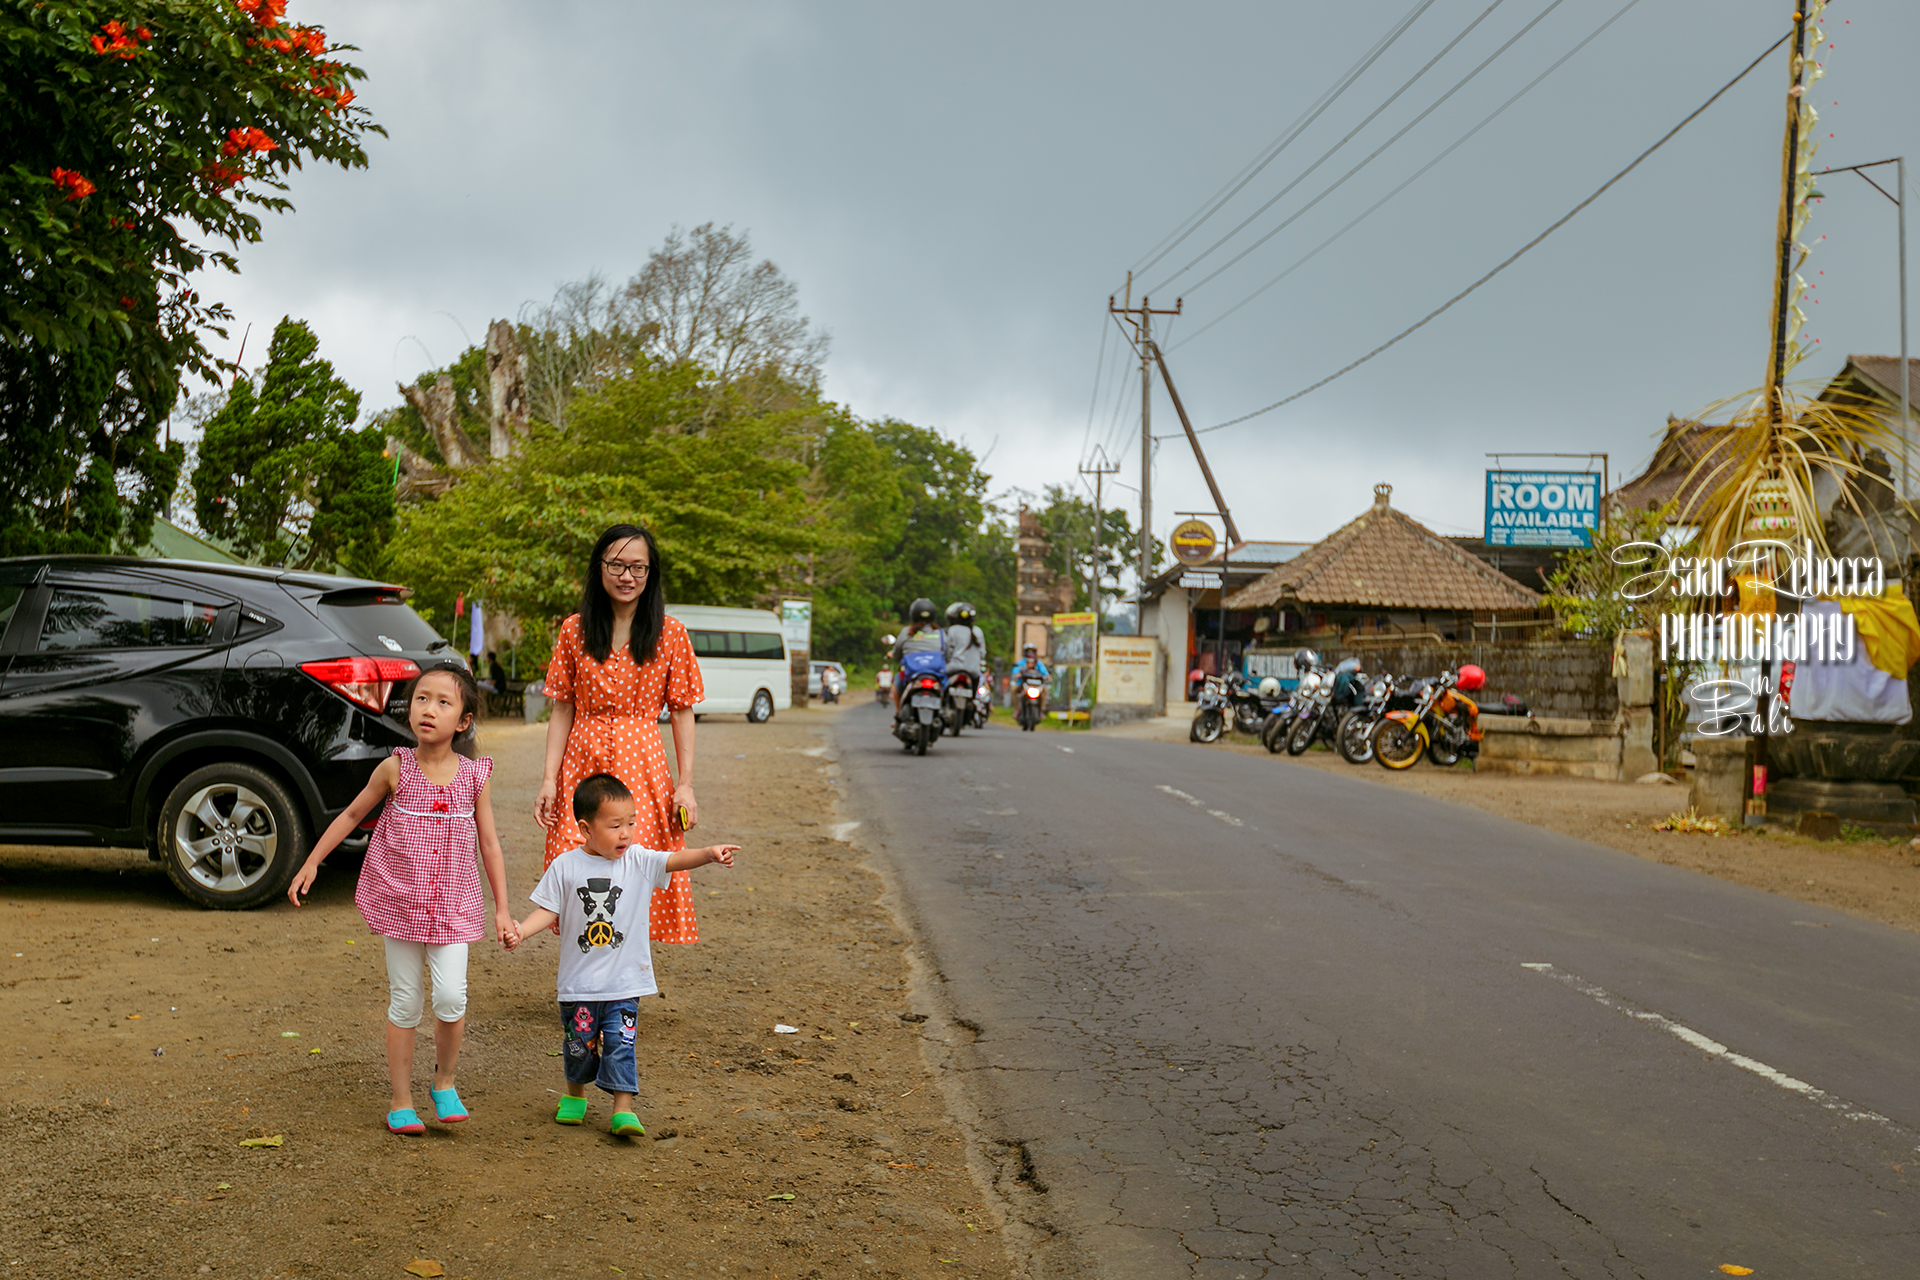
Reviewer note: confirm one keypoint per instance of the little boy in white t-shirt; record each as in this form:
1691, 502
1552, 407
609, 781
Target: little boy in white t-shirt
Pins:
599, 895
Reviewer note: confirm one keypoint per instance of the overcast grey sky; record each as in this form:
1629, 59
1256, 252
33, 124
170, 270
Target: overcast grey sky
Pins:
957, 190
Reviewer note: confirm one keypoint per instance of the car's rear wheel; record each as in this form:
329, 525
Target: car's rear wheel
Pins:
231, 836
762, 709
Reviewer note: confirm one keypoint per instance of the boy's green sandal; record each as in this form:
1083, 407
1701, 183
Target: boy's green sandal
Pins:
627, 1125
572, 1111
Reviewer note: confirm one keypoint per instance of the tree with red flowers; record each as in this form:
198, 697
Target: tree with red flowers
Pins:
140, 134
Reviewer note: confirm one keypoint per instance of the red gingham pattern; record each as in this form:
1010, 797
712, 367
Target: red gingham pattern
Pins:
616, 730
421, 879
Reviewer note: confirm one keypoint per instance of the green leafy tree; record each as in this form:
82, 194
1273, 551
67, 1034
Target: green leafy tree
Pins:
283, 475
723, 492
136, 134
1068, 520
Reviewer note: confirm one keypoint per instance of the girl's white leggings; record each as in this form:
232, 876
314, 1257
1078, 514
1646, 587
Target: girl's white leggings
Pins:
408, 964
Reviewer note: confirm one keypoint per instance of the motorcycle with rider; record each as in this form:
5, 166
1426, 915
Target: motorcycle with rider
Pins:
920, 656
1027, 685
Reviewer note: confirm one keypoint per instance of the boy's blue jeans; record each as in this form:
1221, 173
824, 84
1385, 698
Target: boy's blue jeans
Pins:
599, 1043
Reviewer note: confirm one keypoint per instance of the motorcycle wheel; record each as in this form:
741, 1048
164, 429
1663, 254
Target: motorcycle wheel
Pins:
1208, 725
1396, 746
1301, 736
1354, 737
1273, 735
922, 739
1445, 757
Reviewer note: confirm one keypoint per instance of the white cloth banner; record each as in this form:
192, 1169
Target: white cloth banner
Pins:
477, 643
1856, 690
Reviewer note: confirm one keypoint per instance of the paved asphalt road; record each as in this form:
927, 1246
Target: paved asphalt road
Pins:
1266, 1021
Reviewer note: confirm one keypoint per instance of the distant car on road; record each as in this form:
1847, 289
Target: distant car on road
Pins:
218, 716
814, 672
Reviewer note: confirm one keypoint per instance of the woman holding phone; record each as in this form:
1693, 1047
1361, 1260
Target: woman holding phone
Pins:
616, 663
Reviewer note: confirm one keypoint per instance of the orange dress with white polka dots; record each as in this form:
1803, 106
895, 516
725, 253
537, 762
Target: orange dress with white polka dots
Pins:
616, 730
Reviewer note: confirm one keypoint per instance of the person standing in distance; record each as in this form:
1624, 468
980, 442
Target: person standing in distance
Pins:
615, 664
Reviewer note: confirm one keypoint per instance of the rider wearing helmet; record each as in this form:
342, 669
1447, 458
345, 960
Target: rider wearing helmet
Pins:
1029, 662
966, 646
921, 636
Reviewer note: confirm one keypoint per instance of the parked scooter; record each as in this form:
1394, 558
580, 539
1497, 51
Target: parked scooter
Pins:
919, 721
1353, 736
1310, 689
1443, 722
1027, 696
1337, 697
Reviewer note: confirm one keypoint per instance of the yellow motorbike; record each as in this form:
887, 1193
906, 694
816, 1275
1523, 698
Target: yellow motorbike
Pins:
1444, 724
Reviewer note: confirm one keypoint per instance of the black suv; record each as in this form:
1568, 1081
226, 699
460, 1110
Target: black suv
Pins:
217, 716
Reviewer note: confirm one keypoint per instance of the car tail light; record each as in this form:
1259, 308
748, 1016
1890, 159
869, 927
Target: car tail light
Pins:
365, 682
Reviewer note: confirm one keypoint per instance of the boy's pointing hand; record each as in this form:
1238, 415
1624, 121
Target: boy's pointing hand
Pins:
723, 854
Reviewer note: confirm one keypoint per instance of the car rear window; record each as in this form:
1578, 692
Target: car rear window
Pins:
738, 644
378, 622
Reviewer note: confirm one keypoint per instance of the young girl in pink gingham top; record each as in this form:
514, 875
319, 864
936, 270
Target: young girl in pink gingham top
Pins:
420, 888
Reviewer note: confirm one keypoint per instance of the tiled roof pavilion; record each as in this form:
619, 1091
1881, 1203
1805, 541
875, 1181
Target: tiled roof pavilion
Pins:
1386, 559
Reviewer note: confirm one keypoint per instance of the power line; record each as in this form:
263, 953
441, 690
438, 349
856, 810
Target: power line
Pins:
1421, 172
1099, 367
1329, 152
1273, 149
1404, 130
1517, 254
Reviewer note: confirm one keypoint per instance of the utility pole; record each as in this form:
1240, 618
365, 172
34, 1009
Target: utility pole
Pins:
1099, 474
1141, 318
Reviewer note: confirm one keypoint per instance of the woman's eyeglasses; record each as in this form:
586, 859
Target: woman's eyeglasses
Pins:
622, 569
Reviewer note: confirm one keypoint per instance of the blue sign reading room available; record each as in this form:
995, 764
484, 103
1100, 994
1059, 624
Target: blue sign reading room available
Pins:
1542, 508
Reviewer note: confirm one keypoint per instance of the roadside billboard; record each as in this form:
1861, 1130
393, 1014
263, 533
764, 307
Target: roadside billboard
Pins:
1542, 508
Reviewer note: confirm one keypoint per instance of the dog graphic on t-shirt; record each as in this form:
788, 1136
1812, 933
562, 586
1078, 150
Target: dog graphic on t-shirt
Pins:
597, 898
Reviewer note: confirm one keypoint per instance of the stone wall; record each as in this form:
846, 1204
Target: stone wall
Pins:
1572, 679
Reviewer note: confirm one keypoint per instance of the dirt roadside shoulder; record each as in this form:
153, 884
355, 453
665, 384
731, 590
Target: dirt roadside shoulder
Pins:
1873, 879
150, 1038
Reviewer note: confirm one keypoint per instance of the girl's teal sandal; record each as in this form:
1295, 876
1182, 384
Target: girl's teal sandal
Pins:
405, 1121
447, 1107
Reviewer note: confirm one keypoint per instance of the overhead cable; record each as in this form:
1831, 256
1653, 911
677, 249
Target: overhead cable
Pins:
1517, 254
1301, 212
1272, 150
1328, 154
1489, 119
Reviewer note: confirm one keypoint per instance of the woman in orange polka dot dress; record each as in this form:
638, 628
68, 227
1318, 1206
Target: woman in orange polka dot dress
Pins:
615, 664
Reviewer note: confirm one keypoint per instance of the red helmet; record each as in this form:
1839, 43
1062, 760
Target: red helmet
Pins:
1470, 678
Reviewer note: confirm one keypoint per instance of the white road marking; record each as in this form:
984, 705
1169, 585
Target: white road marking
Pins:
1713, 1048
841, 830
1198, 803
1068, 750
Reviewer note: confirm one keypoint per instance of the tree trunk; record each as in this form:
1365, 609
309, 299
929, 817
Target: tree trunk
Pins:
438, 410
507, 389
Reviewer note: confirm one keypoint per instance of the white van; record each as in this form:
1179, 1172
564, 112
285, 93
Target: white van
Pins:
743, 660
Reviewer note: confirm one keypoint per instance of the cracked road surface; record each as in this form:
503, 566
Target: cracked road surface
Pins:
1235, 1019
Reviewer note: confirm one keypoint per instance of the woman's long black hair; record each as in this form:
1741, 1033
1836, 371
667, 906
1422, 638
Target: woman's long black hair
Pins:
596, 606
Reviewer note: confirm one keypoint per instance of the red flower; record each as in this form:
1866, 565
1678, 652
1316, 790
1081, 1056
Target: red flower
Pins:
76, 187
246, 142
266, 13
223, 176
118, 41
126, 304
308, 40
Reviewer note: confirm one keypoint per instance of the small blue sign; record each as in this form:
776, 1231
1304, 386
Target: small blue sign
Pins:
1542, 508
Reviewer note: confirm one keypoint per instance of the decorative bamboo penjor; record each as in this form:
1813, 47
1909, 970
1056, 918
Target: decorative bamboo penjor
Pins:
1758, 481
